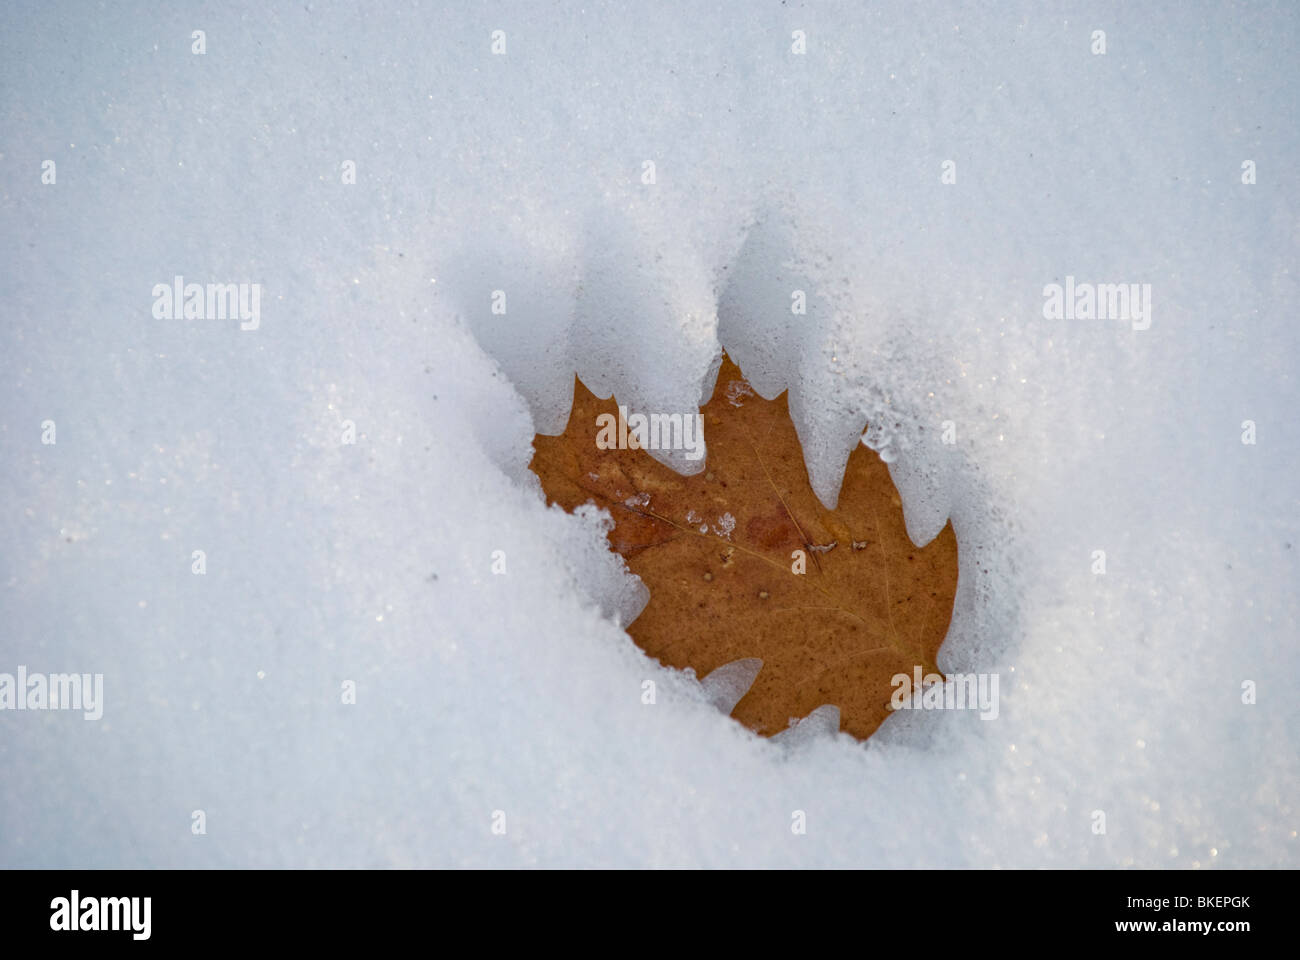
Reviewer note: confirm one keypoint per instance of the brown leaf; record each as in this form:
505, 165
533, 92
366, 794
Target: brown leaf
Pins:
870, 604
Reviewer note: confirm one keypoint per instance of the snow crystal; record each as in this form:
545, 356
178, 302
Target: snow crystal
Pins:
736, 390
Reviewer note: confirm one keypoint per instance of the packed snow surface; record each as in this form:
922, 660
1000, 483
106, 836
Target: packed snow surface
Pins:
450, 210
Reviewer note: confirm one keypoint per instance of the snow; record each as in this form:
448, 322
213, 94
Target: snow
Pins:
480, 630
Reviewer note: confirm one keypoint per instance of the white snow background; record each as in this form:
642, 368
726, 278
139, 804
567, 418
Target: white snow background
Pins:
774, 171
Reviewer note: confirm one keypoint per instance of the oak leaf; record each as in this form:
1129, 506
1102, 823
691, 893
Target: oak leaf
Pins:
743, 561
